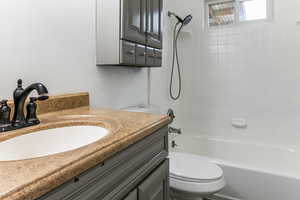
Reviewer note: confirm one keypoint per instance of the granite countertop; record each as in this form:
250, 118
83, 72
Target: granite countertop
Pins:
30, 179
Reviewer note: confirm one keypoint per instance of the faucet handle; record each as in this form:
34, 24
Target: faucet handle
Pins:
5, 111
4, 102
31, 107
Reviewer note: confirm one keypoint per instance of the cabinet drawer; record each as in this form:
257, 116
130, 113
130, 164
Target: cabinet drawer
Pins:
127, 54
140, 55
158, 58
150, 56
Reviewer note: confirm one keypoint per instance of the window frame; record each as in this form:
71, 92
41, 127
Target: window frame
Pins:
237, 20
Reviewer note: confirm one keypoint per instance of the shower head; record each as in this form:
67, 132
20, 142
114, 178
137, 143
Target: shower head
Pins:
187, 20
184, 21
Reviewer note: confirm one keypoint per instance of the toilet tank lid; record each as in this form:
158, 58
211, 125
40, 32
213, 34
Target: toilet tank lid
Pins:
193, 167
152, 109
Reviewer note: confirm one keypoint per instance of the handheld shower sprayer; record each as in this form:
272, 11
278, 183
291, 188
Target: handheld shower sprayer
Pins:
182, 22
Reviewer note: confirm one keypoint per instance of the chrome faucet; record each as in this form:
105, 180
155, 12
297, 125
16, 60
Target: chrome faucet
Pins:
20, 95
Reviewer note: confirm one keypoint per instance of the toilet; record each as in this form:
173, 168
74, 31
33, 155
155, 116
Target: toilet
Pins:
193, 177
151, 109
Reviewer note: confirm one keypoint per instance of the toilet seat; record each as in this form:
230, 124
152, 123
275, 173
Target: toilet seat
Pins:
192, 167
194, 174
197, 187
193, 180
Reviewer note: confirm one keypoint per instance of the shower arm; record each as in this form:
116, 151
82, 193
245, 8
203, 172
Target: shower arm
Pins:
177, 17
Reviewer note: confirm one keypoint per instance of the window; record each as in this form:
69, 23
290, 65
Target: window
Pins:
221, 13
252, 10
225, 12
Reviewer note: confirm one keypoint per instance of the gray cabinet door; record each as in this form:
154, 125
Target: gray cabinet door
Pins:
154, 23
132, 196
158, 58
134, 20
127, 54
156, 186
150, 56
140, 55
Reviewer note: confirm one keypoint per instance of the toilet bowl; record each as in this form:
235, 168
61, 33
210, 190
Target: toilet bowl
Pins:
193, 177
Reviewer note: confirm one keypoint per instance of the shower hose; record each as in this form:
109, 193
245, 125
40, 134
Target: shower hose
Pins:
175, 61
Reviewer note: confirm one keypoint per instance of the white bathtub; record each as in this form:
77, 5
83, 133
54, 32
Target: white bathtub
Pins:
252, 171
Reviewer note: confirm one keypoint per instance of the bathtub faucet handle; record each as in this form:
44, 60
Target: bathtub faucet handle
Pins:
175, 130
174, 144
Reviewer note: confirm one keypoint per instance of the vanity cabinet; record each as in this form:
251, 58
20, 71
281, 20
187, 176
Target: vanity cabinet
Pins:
140, 172
126, 29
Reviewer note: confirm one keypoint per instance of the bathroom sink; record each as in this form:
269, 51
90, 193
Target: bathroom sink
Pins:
49, 142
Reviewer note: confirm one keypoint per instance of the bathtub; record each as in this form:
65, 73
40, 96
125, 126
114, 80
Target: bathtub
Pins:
253, 171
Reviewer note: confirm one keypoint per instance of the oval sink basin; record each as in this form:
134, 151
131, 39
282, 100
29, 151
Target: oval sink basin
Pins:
49, 142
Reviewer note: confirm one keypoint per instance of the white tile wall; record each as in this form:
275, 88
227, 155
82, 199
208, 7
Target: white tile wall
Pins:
249, 71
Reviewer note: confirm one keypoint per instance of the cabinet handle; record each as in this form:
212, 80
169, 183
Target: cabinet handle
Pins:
134, 28
132, 52
150, 33
76, 179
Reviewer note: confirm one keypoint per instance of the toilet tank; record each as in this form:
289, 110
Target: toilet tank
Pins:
152, 109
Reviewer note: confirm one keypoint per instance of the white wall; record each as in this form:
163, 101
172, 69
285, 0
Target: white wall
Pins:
249, 71
53, 41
